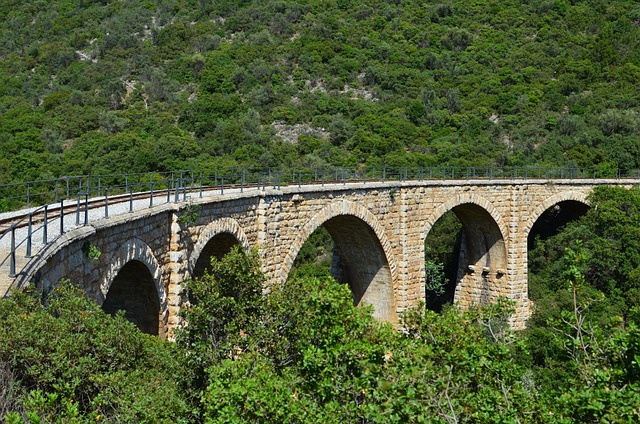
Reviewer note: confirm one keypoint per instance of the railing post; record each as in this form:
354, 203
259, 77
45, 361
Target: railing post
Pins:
184, 189
299, 179
99, 186
201, 185
384, 173
45, 226
168, 191
126, 183
176, 187
78, 210
106, 203
28, 195
12, 260
29, 234
86, 208
61, 218
67, 178
222, 185
150, 194
55, 190
242, 183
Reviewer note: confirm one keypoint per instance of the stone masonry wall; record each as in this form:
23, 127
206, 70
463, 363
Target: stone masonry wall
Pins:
398, 215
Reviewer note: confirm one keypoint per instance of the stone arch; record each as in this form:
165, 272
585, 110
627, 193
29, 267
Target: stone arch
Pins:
227, 230
550, 201
482, 264
471, 199
136, 256
349, 223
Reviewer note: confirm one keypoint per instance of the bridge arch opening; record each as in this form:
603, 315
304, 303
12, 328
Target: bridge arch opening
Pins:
133, 290
441, 255
357, 258
475, 257
543, 247
218, 246
214, 241
554, 218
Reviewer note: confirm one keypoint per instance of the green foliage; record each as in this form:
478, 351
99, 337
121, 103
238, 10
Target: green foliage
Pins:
400, 83
189, 216
441, 251
91, 251
456, 367
74, 363
583, 286
305, 353
225, 305
136, 86
607, 244
310, 362
435, 279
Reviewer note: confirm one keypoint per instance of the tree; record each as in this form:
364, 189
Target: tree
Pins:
71, 362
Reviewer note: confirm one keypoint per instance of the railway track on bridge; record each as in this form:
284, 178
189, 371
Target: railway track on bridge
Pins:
77, 206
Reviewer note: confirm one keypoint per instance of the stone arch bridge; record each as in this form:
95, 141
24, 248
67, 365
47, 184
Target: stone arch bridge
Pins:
379, 230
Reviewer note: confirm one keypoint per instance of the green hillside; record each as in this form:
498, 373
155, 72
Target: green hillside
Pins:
114, 86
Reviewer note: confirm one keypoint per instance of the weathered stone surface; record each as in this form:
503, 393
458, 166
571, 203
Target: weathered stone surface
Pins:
379, 230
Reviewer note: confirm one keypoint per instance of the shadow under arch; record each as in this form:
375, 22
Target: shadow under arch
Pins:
482, 260
133, 284
363, 258
215, 240
555, 211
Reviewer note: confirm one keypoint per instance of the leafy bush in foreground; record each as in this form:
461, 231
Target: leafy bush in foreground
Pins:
74, 363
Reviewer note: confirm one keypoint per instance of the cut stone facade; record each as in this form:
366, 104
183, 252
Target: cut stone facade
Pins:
379, 230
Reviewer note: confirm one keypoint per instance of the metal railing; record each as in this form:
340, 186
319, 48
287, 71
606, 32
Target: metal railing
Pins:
34, 226
15, 196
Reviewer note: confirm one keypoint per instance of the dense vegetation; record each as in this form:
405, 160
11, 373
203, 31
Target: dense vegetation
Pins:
304, 353
106, 87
